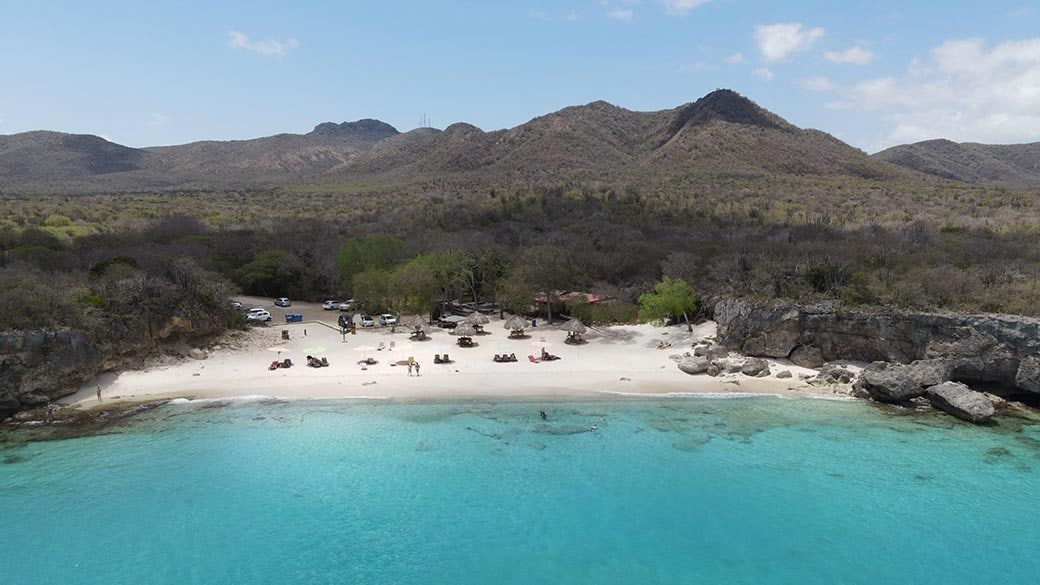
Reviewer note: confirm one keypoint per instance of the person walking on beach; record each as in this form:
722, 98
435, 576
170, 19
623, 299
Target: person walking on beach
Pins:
409, 368
416, 369
50, 411
99, 393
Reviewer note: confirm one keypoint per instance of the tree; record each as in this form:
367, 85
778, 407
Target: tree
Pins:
670, 298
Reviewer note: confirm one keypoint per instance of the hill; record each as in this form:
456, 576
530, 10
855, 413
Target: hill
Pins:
721, 133
981, 164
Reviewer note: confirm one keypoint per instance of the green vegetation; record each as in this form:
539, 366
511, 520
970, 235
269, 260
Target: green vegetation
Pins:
670, 299
805, 239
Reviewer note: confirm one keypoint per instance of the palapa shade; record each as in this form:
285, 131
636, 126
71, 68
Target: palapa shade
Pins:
417, 323
516, 323
574, 326
477, 319
465, 330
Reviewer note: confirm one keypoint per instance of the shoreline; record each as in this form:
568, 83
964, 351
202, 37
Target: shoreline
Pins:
618, 362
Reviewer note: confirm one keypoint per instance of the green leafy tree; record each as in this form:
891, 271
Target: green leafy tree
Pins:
670, 298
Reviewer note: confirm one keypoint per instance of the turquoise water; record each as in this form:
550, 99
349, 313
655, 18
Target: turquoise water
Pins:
756, 491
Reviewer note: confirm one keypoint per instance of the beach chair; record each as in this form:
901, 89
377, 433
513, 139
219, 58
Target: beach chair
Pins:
437, 358
324, 362
382, 345
364, 366
445, 359
533, 359
274, 365
392, 344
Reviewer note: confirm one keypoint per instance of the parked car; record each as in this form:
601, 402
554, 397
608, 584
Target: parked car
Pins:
387, 319
347, 305
330, 305
345, 321
366, 321
237, 305
282, 302
258, 314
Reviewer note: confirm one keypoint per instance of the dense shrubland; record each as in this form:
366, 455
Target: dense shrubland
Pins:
65, 259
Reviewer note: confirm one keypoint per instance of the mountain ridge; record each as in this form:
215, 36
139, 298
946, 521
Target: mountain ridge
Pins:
970, 162
722, 132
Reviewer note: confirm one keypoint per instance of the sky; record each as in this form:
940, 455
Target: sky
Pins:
874, 74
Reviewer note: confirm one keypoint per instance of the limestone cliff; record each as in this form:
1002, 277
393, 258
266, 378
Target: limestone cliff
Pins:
42, 365
998, 352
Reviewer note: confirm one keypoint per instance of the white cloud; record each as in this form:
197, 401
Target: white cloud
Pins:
764, 74
855, 56
734, 59
270, 47
779, 41
573, 16
622, 14
621, 9
964, 91
681, 7
156, 120
818, 83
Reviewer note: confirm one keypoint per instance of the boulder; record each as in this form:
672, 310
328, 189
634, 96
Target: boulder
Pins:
730, 366
711, 351
835, 374
197, 354
889, 383
783, 374
694, 365
960, 401
713, 370
754, 367
930, 372
807, 356
1027, 377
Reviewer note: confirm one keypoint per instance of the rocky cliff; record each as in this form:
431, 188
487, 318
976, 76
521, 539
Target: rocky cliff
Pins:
999, 353
38, 366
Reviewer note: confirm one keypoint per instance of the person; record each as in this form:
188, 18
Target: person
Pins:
99, 393
416, 369
594, 427
50, 411
409, 368
545, 354
542, 414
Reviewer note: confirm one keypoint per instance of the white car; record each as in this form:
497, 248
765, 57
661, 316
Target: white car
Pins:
347, 305
282, 302
258, 314
366, 321
237, 305
330, 305
387, 319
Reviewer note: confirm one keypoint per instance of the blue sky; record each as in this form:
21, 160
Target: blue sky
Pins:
872, 73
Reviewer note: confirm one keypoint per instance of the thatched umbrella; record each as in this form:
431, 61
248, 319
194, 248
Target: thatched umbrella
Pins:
417, 323
464, 330
516, 325
476, 318
574, 326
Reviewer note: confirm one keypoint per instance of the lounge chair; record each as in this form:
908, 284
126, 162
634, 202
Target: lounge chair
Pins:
445, 359
324, 362
274, 365
533, 359
437, 358
287, 363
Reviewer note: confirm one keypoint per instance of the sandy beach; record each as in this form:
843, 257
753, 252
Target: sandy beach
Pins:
615, 361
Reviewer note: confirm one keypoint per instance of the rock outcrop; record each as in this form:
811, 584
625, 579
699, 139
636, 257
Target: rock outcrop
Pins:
39, 366
960, 401
1001, 352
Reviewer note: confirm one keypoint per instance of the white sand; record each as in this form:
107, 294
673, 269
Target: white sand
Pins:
616, 361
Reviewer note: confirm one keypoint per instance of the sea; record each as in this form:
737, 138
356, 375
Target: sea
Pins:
677, 490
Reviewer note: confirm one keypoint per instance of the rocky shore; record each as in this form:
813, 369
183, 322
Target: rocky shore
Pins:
40, 366
944, 358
